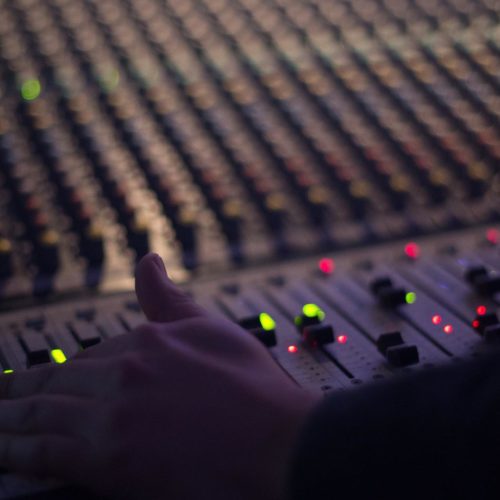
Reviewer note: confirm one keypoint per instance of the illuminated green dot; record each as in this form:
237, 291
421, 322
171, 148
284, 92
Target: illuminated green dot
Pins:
58, 356
110, 80
298, 320
8, 371
31, 89
411, 297
267, 322
313, 311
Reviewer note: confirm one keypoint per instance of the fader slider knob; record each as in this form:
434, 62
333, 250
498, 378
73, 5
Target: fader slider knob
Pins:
380, 284
482, 322
311, 315
35, 347
492, 332
474, 273
317, 335
5, 258
403, 355
47, 252
488, 285
392, 297
266, 337
387, 340
262, 327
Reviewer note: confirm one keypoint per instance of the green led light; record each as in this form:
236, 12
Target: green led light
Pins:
110, 80
31, 89
411, 297
267, 322
8, 371
58, 356
313, 311
298, 321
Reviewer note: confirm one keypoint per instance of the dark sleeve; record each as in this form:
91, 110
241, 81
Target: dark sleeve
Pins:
430, 436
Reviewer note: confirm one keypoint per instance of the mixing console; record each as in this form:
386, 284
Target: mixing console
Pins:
224, 133
275, 153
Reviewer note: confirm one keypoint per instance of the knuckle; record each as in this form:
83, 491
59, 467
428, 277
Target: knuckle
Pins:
151, 337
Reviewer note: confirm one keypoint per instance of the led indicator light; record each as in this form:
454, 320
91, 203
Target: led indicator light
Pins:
326, 266
476, 323
58, 356
342, 339
292, 349
493, 235
31, 89
436, 319
313, 311
481, 310
448, 329
411, 298
267, 322
110, 80
412, 250
7, 372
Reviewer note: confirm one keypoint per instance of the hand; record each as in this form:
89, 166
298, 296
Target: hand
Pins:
187, 406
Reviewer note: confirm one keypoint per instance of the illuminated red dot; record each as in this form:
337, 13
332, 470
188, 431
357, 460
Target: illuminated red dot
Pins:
292, 349
481, 310
326, 266
412, 250
493, 235
448, 329
476, 323
436, 319
342, 339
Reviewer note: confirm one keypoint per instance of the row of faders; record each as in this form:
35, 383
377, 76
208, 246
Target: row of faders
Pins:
234, 132
366, 315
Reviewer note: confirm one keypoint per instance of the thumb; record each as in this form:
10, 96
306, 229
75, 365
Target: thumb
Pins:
160, 299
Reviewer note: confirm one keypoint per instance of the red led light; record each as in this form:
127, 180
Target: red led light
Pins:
292, 349
436, 319
412, 250
326, 266
342, 339
448, 329
481, 310
476, 323
493, 235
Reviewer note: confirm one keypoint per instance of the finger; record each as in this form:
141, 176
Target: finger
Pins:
44, 414
160, 299
76, 379
46, 455
113, 347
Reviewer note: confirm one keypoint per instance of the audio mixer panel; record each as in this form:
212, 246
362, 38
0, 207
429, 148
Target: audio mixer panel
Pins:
331, 322
225, 133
